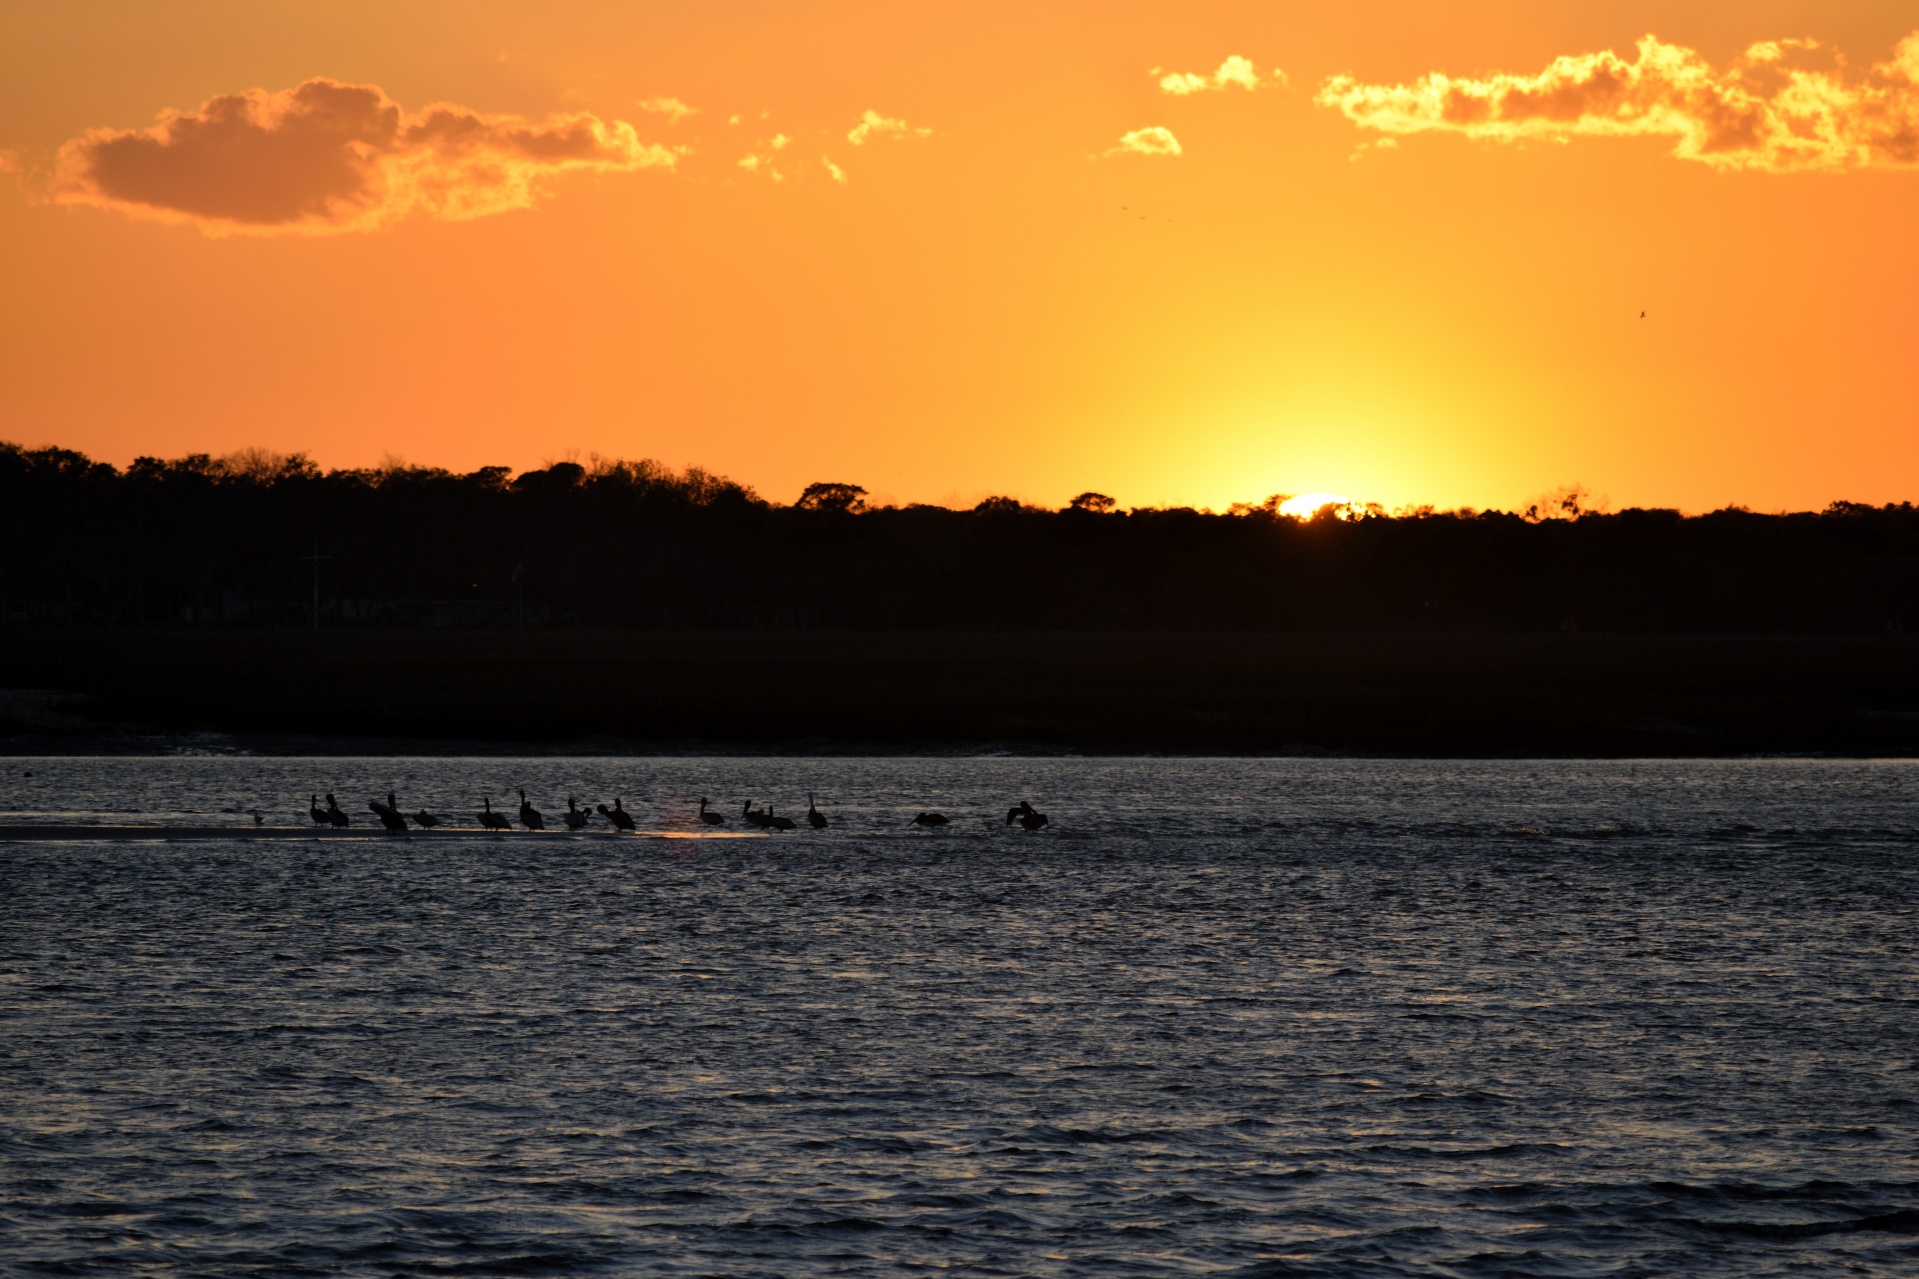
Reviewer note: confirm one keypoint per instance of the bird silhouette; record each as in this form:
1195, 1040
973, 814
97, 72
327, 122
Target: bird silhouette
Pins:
1026, 815
314, 810
754, 817
779, 823
425, 820
490, 819
617, 815
333, 814
575, 818
529, 815
1642, 315
711, 819
259, 818
930, 819
814, 817
389, 815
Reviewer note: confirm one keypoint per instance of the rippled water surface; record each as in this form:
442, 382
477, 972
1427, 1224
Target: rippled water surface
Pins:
1241, 1017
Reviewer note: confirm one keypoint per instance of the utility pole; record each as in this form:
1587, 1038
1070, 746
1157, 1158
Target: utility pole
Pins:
316, 557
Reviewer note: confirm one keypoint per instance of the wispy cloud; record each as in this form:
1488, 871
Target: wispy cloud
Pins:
1377, 144
756, 163
765, 159
1235, 71
672, 108
1149, 141
833, 170
331, 157
875, 125
1768, 111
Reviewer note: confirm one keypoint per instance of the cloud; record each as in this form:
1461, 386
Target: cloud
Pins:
838, 174
1766, 112
672, 108
1234, 71
873, 124
761, 164
1377, 144
766, 161
1150, 141
9, 162
330, 157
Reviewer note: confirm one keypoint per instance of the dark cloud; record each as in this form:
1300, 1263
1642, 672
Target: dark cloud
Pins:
327, 156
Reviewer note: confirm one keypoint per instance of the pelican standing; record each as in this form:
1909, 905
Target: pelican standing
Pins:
814, 817
575, 818
333, 814
388, 814
490, 819
529, 815
617, 815
711, 819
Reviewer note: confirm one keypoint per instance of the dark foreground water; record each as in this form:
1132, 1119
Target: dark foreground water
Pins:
1255, 1018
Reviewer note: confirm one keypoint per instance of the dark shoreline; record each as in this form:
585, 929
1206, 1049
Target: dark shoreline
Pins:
1402, 694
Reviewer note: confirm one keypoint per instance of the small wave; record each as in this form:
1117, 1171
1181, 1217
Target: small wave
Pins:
88, 1209
526, 1263
1903, 1222
1514, 1150
1095, 1136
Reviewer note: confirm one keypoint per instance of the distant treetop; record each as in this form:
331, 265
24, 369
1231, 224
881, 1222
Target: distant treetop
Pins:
1097, 503
832, 497
999, 506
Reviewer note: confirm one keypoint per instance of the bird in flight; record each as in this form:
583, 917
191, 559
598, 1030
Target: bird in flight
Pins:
1642, 315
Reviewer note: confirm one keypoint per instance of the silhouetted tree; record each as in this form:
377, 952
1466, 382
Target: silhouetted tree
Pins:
1268, 508
832, 497
1567, 503
1096, 503
199, 541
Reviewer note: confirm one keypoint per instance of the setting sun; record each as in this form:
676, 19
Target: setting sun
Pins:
1306, 505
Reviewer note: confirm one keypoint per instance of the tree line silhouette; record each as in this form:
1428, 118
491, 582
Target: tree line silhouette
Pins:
236, 542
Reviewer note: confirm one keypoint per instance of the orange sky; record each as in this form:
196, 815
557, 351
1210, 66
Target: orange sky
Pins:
999, 296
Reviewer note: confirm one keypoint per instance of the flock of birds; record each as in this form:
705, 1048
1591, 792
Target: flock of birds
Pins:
1022, 814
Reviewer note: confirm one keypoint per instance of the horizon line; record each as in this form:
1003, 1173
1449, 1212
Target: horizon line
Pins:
262, 464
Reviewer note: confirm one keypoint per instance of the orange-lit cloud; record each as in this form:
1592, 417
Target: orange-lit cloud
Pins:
1764, 112
1234, 71
331, 157
875, 125
757, 163
764, 161
672, 108
1149, 141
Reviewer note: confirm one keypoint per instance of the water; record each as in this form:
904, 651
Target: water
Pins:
1240, 1017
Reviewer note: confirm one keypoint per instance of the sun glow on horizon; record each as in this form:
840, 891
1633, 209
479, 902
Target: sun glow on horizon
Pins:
1305, 505
771, 246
